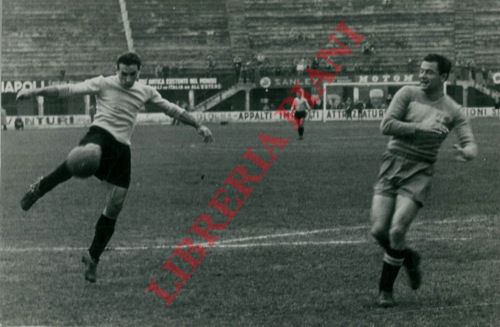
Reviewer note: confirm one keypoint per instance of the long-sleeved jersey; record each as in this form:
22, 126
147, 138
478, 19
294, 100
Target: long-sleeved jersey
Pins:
410, 107
116, 106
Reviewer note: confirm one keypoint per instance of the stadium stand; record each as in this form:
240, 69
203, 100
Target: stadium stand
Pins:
41, 38
287, 32
487, 34
167, 32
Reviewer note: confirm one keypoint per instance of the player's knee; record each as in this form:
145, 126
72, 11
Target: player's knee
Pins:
113, 209
379, 233
397, 236
114, 206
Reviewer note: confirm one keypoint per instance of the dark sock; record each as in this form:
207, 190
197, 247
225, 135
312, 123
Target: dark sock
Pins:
408, 253
384, 243
393, 260
58, 176
103, 231
301, 130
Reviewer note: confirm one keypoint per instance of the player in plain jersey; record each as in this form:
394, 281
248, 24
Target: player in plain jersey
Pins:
119, 98
300, 107
418, 120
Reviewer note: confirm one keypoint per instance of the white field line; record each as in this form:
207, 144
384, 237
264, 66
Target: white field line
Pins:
300, 233
226, 246
332, 242
345, 228
247, 242
440, 308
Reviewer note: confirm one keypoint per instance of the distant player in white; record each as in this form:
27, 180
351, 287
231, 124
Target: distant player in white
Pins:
300, 107
119, 98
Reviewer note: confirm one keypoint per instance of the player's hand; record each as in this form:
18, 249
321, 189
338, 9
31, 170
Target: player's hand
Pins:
205, 133
433, 127
24, 94
462, 154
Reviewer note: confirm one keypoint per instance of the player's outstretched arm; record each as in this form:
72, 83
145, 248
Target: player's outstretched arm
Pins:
185, 117
91, 86
188, 119
48, 91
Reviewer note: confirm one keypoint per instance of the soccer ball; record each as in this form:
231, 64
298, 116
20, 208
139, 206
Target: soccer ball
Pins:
83, 161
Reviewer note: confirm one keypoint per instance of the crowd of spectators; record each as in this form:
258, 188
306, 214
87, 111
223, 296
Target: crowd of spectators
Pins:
467, 69
251, 67
348, 104
165, 70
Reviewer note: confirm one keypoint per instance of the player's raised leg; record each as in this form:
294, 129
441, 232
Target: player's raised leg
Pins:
104, 229
77, 163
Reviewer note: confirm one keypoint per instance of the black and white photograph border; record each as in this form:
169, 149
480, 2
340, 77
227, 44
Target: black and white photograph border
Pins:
249, 163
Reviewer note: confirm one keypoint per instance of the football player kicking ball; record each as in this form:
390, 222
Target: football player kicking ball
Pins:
107, 143
300, 107
418, 120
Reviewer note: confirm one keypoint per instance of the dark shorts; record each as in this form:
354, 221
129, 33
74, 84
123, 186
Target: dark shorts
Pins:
115, 160
404, 176
300, 114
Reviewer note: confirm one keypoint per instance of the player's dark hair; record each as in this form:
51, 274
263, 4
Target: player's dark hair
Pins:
129, 58
444, 65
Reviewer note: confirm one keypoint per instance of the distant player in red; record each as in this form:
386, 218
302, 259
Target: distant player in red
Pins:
300, 107
119, 98
418, 120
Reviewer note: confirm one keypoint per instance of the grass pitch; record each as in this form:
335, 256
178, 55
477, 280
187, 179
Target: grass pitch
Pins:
297, 254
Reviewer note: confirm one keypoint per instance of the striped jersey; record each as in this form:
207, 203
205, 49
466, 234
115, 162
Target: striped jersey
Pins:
411, 106
116, 106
